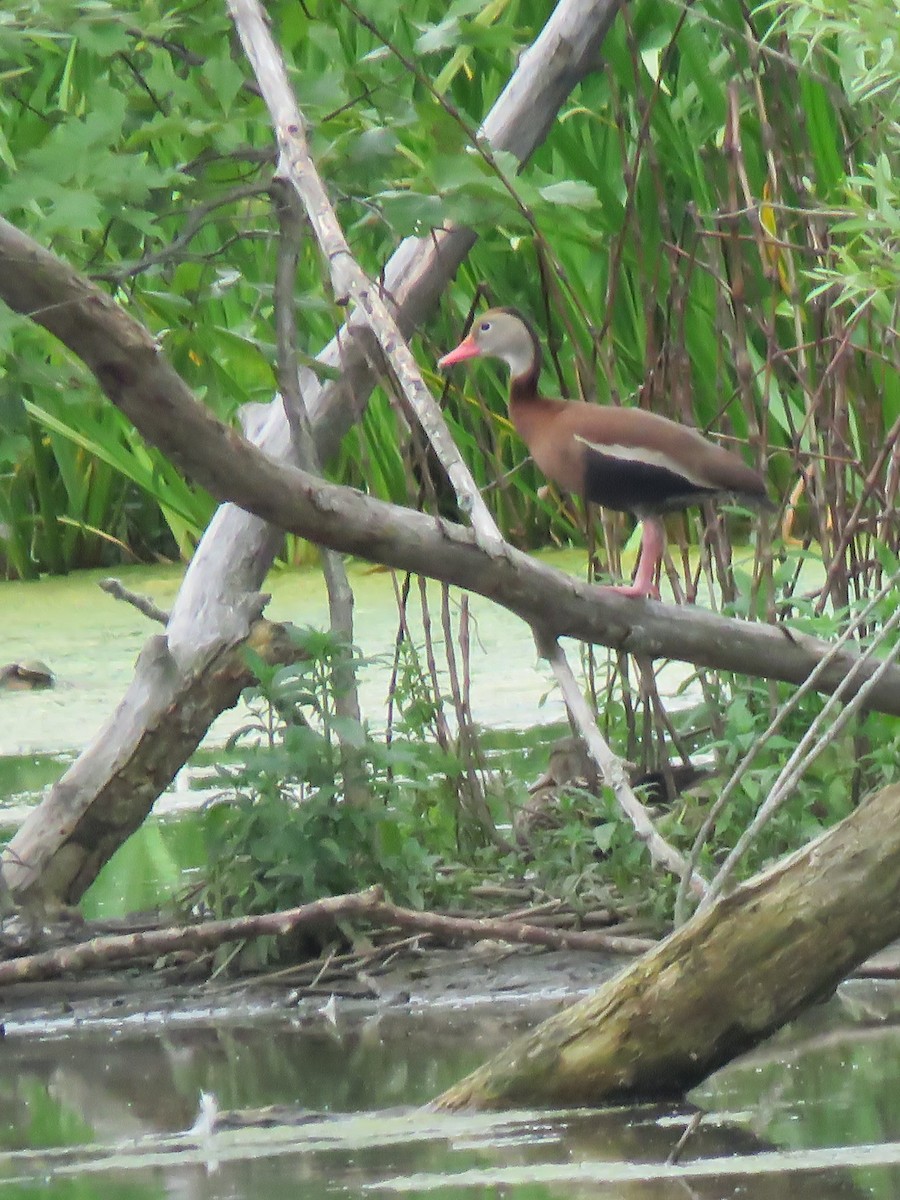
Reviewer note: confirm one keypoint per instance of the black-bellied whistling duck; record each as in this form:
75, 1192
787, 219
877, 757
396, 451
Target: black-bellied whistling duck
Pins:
625, 459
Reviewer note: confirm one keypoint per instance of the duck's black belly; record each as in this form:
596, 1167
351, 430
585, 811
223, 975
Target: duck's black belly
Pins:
629, 485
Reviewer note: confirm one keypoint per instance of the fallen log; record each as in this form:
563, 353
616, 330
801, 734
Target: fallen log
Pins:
720, 984
201, 936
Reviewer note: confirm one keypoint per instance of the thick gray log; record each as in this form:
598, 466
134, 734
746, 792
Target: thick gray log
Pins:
152, 732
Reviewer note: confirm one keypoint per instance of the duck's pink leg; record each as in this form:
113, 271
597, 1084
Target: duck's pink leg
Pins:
653, 543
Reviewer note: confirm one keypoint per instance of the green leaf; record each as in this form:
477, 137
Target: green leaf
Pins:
571, 192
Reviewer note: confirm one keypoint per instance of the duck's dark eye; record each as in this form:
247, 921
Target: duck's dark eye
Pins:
484, 327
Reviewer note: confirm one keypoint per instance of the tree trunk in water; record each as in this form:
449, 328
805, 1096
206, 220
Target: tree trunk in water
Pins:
108, 791
720, 984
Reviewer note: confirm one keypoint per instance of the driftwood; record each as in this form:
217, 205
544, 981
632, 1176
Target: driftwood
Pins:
208, 935
720, 984
217, 602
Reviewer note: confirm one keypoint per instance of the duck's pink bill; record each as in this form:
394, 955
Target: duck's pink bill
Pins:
467, 348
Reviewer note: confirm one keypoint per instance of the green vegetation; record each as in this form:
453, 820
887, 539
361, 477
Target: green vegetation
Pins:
711, 228
280, 833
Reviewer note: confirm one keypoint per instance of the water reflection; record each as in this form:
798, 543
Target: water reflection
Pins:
316, 1110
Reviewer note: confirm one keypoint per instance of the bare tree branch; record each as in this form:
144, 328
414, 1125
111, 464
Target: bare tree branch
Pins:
117, 589
369, 905
349, 281
194, 222
126, 947
612, 768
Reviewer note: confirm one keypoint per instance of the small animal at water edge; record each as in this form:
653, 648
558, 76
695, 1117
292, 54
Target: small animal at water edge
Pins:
25, 676
625, 459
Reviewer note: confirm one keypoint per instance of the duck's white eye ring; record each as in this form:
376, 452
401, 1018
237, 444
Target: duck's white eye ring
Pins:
484, 327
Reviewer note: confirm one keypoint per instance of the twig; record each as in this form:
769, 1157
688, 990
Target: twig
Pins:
337, 585
811, 745
192, 225
466, 738
678, 1149
349, 281
475, 929
611, 767
117, 589
833, 654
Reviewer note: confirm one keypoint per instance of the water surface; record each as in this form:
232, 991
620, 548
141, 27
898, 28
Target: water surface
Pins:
334, 1110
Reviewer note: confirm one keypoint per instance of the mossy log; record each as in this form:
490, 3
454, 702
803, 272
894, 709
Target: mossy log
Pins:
720, 984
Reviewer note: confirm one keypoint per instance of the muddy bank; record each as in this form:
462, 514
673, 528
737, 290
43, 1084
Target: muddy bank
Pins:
514, 979
517, 986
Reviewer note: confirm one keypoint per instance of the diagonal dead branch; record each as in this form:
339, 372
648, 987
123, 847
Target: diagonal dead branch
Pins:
349, 281
611, 767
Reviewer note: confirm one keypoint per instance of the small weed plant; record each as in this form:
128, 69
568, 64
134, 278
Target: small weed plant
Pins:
282, 832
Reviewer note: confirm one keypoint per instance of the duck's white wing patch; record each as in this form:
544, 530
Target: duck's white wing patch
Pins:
646, 455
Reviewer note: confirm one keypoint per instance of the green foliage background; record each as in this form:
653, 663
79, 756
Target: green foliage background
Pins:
711, 229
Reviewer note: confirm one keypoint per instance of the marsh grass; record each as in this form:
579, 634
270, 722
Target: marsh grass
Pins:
709, 231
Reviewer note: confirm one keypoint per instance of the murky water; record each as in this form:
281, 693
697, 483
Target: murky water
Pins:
104, 1112
91, 641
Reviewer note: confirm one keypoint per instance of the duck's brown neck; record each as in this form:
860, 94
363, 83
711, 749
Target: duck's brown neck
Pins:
529, 411
523, 389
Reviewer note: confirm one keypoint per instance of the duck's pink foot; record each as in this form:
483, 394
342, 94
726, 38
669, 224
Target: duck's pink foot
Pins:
653, 543
634, 590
